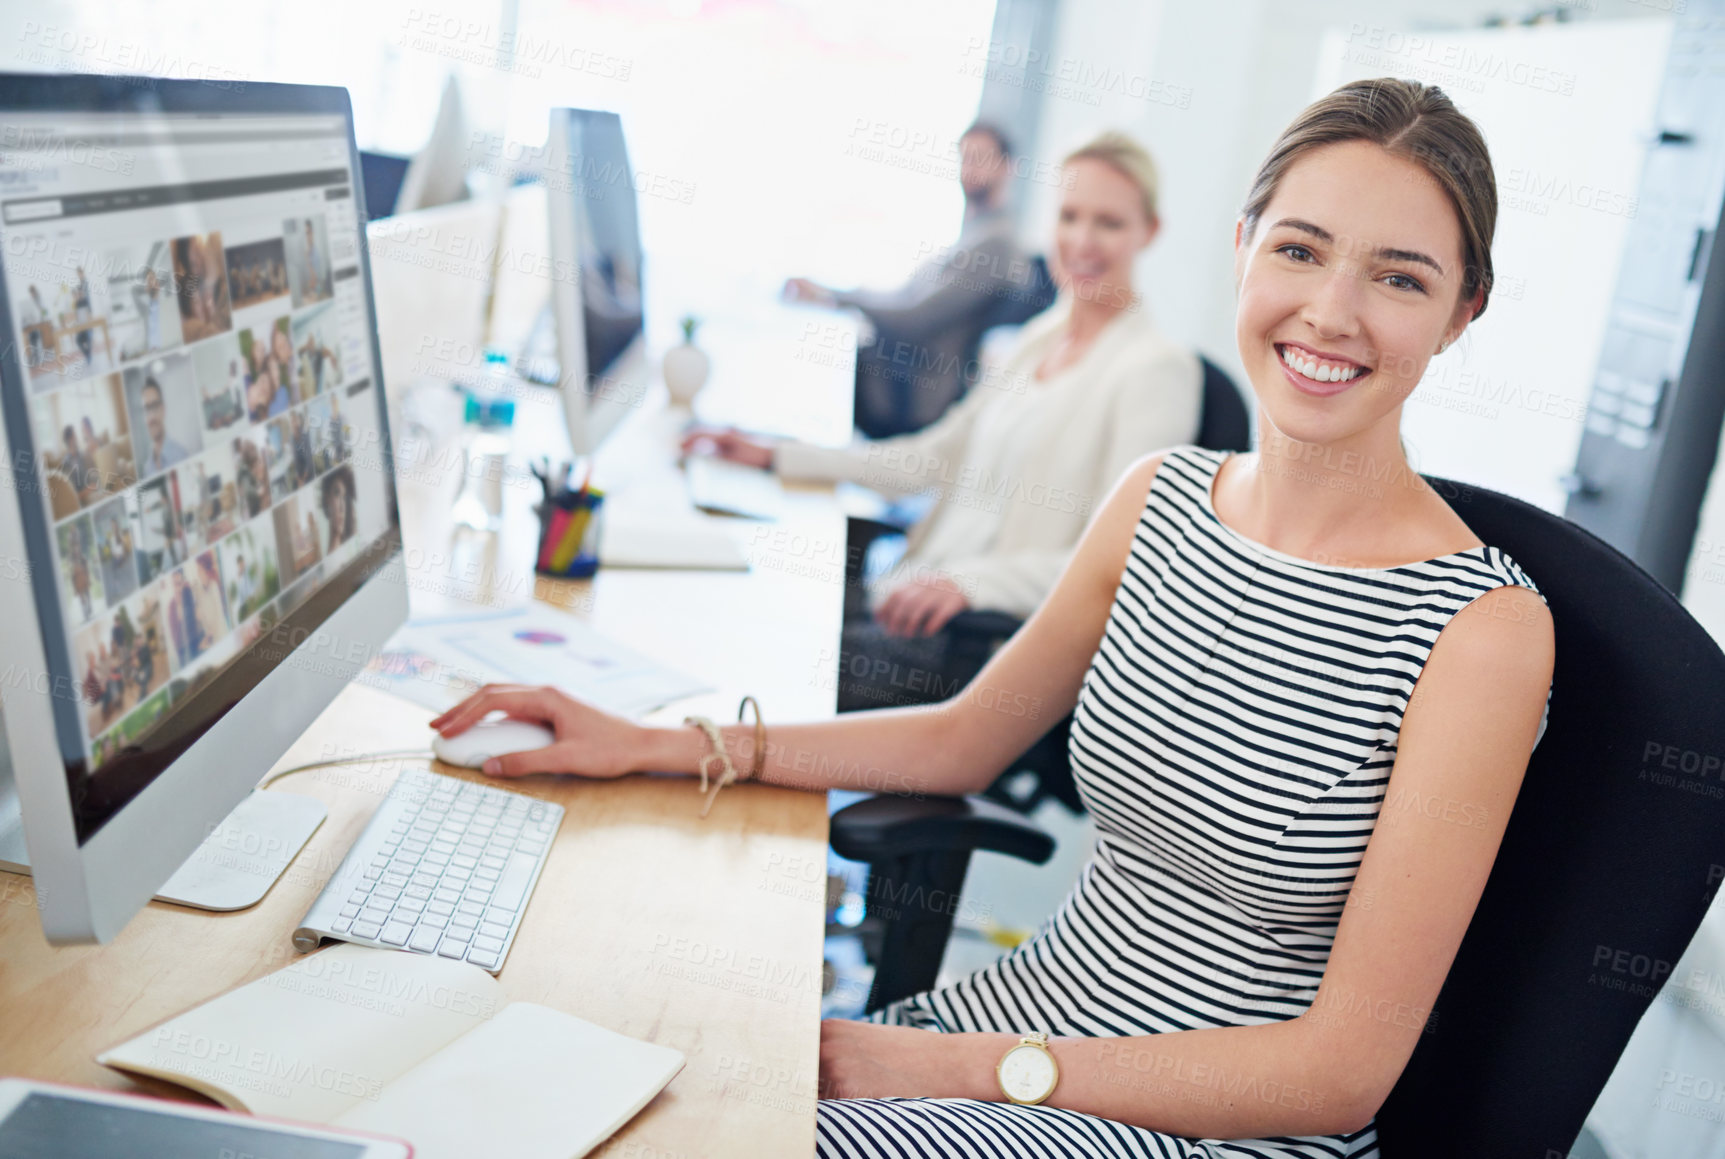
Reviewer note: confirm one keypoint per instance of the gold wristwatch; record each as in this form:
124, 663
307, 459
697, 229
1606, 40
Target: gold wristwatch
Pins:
1027, 1071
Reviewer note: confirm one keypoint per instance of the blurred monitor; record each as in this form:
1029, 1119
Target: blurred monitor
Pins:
591, 342
437, 174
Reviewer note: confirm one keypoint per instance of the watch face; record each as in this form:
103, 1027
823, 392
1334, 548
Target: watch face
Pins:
1027, 1073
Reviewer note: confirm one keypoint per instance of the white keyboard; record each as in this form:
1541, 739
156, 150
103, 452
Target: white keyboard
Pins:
729, 488
444, 866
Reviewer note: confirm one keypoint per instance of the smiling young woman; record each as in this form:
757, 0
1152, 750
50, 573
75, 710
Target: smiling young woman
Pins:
1251, 953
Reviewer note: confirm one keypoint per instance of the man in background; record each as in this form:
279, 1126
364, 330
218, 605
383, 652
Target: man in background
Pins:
927, 331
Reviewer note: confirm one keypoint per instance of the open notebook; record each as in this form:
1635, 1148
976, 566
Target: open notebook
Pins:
410, 1045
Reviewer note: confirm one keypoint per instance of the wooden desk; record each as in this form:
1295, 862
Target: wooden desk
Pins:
701, 935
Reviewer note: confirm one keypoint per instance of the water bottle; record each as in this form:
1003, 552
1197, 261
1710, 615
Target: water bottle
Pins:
485, 447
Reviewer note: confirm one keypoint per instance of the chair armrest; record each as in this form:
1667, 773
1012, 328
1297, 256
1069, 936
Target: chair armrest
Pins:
984, 623
860, 532
886, 827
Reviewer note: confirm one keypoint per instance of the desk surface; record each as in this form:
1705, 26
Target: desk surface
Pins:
701, 935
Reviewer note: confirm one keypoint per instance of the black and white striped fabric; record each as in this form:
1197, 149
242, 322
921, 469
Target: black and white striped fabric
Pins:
1233, 741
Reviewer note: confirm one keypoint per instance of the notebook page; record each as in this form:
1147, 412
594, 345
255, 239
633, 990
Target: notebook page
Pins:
320, 1036
532, 1083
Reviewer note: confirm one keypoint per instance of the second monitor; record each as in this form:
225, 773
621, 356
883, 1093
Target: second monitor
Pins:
596, 312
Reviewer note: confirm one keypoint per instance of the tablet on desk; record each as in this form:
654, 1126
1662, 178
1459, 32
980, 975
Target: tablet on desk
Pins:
49, 1121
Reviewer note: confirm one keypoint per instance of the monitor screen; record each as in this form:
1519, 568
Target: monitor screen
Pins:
607, 238
199, 445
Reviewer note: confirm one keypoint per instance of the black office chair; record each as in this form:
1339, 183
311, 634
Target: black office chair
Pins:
1606, 870
1007, 309
381, 175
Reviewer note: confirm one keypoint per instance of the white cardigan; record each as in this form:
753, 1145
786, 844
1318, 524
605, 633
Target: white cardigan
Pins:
1020, 464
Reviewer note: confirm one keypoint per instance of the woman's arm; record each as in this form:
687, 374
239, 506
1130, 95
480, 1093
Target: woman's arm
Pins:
939, 296
933, 456
1463, 747
906, 464
948, 749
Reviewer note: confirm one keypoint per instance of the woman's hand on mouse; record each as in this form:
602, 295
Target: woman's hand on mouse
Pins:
590, 741
729, 443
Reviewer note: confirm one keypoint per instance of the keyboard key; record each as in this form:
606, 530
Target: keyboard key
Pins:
462, 861
433, 921
493, 930
490, 945
433, 861
512, 887
443, 846
420, 890
358, 897
444, 893
484, 960
408, 906
455, 874
350, 910
425, 939
340, 925
413, 847
471, 909
366, 929
530, 847
385, 893
395, 879
451, 947
396, 933
499, 915
374, 914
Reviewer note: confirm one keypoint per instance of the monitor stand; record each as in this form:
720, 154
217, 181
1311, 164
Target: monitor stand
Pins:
234, 866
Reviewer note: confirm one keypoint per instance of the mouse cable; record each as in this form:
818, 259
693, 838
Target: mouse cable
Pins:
356, 758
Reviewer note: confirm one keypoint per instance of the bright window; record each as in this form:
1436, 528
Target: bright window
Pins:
774, 137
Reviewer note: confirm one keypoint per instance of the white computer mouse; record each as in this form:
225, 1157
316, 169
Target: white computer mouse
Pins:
487, 739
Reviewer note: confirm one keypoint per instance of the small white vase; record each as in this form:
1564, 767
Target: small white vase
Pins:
686, 370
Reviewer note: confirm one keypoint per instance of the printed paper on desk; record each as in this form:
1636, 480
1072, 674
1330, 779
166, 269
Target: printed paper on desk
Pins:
438, 664
547, 647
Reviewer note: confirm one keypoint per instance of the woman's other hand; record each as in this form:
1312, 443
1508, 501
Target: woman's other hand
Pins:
729, 443
805, 290
590, 742
865, 1060
921, 606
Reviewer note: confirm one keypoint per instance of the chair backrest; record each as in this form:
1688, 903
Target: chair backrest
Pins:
1614, 847
1223, 424
1020, 307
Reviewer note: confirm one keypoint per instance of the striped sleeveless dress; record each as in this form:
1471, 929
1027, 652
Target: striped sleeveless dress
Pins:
1233, 741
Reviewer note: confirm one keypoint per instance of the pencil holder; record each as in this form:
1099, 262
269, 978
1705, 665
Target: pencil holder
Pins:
569, 536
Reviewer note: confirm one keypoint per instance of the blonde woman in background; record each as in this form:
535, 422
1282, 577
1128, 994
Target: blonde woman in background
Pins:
1022, 460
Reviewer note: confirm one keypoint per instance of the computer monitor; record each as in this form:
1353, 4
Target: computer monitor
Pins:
596, 306
199, 540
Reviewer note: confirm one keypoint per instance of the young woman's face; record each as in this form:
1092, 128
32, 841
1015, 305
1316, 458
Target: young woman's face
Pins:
1355, 271
1099, 232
